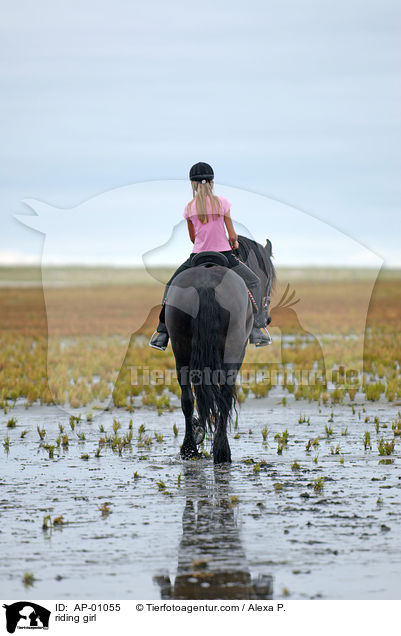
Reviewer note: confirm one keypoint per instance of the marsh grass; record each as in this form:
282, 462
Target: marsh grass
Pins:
386, 448
366, 440
65, 441
373, 391
50, 450
318, 484
28, 579
161, 485
304, 420
74, 420
105, 509
396, 425
328, 430
25, 345
41, 432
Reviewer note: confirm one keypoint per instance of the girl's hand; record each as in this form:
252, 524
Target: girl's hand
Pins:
234, 243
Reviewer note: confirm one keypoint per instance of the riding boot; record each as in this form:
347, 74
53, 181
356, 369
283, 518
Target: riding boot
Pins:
160, 338
259, 334
258, 338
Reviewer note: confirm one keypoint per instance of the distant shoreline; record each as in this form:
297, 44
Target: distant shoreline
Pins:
80, 275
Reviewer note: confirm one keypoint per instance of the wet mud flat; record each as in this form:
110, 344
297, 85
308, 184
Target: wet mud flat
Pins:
138, 522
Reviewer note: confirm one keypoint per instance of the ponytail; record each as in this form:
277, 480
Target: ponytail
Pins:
200, 193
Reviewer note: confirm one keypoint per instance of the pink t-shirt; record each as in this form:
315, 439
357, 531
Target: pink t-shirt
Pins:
210, 236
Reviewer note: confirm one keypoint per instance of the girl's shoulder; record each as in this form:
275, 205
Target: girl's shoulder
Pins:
188, 209
225, 204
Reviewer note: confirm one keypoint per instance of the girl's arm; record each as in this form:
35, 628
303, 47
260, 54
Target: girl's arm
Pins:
232, 235
191, 230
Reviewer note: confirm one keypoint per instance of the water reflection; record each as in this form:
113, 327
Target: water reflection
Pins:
211, 559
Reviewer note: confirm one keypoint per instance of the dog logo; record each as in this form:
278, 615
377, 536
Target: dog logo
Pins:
26, 615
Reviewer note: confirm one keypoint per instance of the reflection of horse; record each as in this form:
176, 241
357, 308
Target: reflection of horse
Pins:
211, 559
209, 318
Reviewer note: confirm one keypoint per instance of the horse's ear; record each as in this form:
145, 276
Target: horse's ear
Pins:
268, 248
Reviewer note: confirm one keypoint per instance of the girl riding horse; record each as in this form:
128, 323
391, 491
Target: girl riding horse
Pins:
208, 216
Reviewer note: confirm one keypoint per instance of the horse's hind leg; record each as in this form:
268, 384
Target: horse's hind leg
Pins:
188, 448
221, 447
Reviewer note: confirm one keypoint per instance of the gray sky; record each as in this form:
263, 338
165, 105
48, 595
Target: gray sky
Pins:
299, 102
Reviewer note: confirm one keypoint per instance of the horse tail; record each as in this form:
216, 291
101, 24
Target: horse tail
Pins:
215, 396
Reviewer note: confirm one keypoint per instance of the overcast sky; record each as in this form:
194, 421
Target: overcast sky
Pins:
296, 101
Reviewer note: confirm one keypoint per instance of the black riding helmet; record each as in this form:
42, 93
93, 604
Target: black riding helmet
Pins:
201, 171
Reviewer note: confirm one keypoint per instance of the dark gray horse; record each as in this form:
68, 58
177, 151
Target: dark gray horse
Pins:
209, 317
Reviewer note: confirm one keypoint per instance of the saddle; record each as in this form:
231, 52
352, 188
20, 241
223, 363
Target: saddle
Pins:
209, 259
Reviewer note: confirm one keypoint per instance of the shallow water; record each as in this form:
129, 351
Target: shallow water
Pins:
225, 532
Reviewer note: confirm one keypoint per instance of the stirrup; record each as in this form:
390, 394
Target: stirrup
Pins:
261, 339
270, 339
159, 340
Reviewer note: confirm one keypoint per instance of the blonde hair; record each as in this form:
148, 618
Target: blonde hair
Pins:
200, 193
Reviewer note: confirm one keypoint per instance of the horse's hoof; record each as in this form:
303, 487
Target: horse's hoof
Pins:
189, 453
198, 431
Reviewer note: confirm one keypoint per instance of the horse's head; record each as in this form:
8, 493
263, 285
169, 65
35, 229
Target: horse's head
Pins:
259, 260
